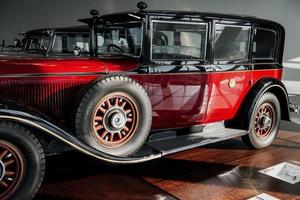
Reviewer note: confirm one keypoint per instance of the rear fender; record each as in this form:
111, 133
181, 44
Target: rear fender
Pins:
243, 116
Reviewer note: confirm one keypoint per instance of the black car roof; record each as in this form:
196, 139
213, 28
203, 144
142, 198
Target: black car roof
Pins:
122, 15
71, 29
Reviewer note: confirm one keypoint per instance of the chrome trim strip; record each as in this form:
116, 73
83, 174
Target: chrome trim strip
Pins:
128, 72
84, 148
50, 74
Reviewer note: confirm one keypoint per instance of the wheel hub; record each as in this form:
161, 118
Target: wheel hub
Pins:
115, 120
264, 120
118, 121
2, 170
267, 121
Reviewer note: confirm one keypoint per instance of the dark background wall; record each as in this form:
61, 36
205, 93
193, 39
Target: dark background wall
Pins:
18, 16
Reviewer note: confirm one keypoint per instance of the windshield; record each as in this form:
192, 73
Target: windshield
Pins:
121, 39
39, 42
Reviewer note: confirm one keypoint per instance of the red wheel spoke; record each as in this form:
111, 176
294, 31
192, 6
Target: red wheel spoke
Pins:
120, 135
9, 173
3, 154
98, 127
98, 118
102, 109
123, 104
127, 111
111, 137
129, 120
4, 185
9, 162
108, 103
126, 128
104, 134
116, 102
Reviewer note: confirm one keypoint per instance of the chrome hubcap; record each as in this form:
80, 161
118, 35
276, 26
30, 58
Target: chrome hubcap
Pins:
266, 121
2, 170
114, 119
118, 121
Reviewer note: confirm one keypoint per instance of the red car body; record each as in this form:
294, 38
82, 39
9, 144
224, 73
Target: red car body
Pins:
52, 84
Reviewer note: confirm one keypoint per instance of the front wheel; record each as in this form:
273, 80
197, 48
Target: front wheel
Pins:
264, 122
22, 162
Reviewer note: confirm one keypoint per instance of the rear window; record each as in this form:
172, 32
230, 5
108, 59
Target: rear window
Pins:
264, 44
231, 43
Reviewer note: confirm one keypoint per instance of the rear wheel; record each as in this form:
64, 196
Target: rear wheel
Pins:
22, 162
114, 116
264, 123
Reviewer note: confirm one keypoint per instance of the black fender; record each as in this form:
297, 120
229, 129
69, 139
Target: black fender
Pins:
275, 86
13, 111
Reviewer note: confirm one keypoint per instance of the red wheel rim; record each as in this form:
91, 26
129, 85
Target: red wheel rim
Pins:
12, 166
115, 120
264, 120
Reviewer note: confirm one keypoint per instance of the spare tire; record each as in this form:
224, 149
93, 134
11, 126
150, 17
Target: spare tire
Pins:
114, 116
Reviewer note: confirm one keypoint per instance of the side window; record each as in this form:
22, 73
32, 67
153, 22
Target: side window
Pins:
66, 43
264, 44
231, 43
128, 38
178, 40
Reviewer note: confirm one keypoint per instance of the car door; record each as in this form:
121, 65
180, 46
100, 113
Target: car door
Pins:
178, 81
231, 74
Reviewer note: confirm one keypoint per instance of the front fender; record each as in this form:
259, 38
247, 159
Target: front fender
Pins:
12, 111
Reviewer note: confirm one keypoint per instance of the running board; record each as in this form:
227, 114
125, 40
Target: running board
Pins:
158, 145
170, 142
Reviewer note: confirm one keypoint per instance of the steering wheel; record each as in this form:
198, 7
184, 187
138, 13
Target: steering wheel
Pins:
114, 46
77, 51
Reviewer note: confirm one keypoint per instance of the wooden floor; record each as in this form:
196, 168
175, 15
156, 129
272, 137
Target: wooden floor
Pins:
226, 170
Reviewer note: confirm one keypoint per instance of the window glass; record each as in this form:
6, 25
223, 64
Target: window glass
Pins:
67, 43
38, 42
126, 38
263, 44
231, 42
178, 41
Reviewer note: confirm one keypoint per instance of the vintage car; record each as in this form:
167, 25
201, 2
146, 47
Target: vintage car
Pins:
51, 42
148, 84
